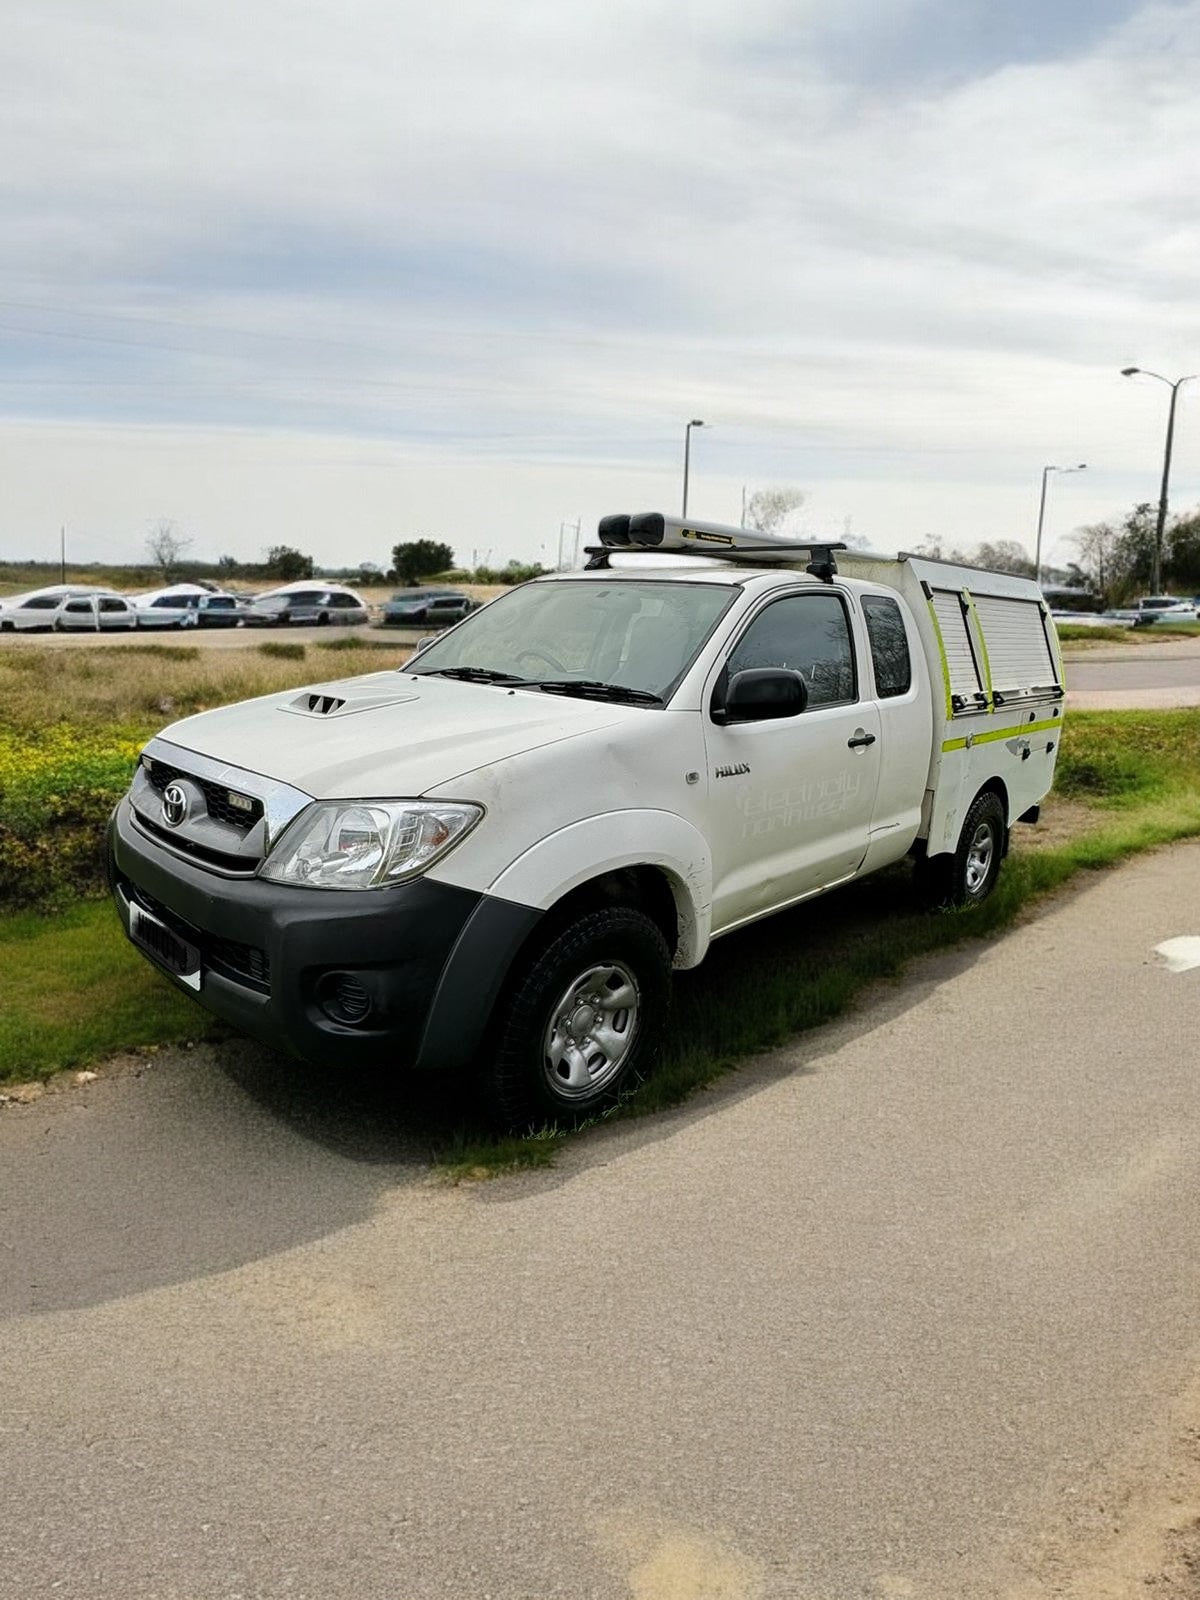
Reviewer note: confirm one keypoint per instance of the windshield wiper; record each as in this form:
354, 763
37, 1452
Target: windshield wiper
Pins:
594, 689
473, 674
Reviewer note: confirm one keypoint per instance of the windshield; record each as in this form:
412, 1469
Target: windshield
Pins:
640, 637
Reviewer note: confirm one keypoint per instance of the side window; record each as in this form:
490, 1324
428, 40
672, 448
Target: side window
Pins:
74, 606
889, 646
810, 633
107, 604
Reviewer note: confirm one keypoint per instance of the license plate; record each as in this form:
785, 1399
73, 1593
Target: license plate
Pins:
166, 947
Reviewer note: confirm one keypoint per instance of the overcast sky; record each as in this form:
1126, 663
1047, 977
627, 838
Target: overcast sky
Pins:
343, 274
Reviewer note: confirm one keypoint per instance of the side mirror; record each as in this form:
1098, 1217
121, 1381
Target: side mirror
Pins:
760, 694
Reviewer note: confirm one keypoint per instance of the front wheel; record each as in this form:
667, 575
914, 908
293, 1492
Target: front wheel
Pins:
969, 875
582, 1019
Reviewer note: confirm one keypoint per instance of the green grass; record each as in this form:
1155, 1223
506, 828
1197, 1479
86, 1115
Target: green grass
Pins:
279, 650
1071, 633
355, 642
76, 991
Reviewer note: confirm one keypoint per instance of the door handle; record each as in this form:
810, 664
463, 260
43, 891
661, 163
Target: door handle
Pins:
860, 740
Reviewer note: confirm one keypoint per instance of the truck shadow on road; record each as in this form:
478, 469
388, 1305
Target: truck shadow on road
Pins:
213, 1157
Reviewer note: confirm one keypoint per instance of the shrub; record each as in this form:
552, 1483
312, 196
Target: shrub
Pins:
56, 793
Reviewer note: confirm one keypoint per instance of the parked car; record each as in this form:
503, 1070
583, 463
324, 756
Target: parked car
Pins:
1163, 608
491, 859
436, 607
35, 612
1091, 619
292, 607
190, 611
95, 613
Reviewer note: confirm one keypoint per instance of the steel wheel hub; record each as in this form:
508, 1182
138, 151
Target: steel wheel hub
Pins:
979, 858
592, 1031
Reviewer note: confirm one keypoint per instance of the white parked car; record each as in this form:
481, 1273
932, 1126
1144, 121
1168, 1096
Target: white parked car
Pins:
1163, 608
36, 611
306, 604
486, 862
1090, 619
198, 610
95, 613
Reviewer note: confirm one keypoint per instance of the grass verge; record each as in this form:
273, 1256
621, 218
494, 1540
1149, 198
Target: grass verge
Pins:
76, 991
1072, 633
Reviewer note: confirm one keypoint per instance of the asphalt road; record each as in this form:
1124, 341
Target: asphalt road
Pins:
887, 1314
1131, 676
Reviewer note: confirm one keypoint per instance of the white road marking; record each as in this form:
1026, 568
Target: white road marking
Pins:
1181, 955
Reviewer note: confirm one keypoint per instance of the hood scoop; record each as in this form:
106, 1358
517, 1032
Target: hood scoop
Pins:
321, 703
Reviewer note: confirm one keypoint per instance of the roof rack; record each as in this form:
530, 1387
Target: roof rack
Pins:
652, 533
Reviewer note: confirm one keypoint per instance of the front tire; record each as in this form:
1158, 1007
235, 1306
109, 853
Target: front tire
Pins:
582, 1019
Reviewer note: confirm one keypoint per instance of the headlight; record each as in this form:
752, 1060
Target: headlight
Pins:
366, 844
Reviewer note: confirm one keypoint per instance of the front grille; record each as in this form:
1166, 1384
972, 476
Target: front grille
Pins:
244, 963
221, 860
217, 797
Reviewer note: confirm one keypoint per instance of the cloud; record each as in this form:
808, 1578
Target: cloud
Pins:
895, 233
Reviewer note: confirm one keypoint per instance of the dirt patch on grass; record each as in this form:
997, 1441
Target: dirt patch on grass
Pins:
1061, 821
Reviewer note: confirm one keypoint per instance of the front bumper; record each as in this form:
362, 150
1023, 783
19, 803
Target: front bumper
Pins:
429, 959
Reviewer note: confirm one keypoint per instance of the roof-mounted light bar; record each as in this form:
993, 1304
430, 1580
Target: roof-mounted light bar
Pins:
652, 531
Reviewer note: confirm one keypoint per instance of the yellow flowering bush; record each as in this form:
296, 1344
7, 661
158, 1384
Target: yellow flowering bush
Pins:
57, 788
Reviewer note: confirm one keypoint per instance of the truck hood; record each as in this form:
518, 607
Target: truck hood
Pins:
386, 734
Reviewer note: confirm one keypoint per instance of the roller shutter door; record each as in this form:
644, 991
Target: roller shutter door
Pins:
960, 658
1018, 649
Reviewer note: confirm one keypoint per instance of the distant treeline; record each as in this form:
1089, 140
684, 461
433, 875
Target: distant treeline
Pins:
16, 576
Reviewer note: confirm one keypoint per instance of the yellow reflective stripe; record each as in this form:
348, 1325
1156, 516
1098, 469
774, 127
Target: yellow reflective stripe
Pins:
995, 734
987, 665
941, 644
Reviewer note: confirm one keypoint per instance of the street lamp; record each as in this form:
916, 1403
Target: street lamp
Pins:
1156, 560
1037, 555
687, 454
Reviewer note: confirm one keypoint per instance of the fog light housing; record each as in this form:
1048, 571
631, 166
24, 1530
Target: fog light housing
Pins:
343, 999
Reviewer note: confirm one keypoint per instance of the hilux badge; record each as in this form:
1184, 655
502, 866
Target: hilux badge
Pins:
174, 805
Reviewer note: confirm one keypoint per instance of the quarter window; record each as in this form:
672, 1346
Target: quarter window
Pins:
809, 633
889, 645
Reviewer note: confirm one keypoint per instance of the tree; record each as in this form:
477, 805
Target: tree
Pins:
227, 566
288, 564
420, 558
1183, 560
1004, 555
166, 544
767, 510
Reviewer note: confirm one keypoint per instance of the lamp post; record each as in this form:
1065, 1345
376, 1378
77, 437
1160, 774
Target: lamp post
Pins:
687, 456
1037, 555
1156, 558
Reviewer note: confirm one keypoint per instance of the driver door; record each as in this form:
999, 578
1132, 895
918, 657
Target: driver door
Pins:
791, 799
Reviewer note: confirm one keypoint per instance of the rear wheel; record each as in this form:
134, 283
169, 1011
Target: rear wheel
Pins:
968, 875
582, 1019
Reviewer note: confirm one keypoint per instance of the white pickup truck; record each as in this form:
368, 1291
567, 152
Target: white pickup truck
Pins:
488, 860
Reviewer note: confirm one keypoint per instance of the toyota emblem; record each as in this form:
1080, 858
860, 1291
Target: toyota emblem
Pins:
174, 805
